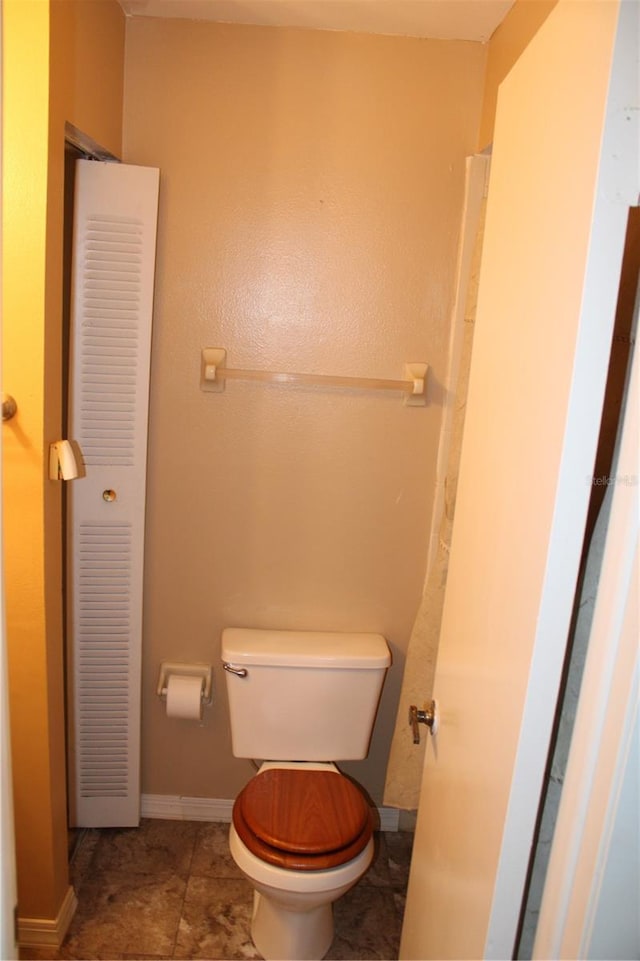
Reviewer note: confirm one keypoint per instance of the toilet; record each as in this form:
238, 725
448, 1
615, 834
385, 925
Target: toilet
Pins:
301, 831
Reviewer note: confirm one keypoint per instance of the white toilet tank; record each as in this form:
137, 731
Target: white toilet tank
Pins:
303, 695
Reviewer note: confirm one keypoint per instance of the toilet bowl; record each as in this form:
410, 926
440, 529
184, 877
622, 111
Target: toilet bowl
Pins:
301, 830
302, 835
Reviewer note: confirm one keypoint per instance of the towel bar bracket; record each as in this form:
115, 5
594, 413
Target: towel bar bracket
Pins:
214, 372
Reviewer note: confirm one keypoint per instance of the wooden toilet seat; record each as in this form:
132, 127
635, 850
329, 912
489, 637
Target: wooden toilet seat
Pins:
303, 820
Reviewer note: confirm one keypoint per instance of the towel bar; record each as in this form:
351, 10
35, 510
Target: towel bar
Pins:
214, 373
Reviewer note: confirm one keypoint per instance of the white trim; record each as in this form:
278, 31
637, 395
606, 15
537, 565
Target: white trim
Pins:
607, 713
48, 932
9, 897
389, 819
170, 807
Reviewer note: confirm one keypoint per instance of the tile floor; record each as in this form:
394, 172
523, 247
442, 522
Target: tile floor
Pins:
169, 889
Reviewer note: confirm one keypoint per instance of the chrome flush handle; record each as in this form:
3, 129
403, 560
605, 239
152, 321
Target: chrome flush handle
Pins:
238, 671
429, 717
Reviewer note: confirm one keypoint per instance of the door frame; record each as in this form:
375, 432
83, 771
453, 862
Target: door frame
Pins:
9, 886
606, 721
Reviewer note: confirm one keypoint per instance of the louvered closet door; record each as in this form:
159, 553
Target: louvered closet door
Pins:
115, 218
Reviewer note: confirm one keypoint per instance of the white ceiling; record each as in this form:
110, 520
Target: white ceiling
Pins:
439, 19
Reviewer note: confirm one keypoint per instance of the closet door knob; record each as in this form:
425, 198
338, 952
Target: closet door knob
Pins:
9, 407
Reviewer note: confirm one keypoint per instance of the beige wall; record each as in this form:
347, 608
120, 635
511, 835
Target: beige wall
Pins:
47, 80
506, 44
311, 191
87, 69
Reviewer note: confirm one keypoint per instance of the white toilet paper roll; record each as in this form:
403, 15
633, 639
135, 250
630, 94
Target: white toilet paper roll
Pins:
184, 697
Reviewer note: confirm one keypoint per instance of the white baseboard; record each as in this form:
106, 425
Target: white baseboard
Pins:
48, 932
389, 818
175, 808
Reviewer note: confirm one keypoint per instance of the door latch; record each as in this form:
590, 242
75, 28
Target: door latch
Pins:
429, 717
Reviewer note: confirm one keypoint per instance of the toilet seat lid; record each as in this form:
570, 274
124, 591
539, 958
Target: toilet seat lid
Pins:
304, 812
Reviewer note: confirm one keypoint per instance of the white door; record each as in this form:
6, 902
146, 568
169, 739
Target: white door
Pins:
114, 241
564, 172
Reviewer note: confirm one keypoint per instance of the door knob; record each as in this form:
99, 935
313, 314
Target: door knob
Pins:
9, 407
429, 717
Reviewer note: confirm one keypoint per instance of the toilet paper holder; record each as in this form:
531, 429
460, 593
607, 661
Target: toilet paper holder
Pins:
203, 671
